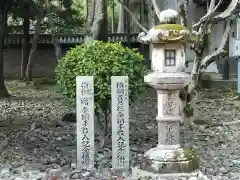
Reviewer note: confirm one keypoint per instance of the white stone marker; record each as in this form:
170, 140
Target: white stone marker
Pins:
85, 122
120, 123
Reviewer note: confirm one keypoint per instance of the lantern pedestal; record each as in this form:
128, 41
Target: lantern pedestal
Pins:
168, 160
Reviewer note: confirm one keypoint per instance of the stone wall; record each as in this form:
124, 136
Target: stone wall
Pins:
44, 62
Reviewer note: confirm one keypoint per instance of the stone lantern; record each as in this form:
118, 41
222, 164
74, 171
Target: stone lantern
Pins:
168, 160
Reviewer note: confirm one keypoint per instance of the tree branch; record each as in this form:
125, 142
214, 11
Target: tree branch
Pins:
210, 58
182, 6
228, 11
211, 10
156, 8
134, 18
220, 17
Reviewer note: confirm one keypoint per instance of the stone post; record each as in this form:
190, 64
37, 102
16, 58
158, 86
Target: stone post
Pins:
85, 122
120, 124
168, 160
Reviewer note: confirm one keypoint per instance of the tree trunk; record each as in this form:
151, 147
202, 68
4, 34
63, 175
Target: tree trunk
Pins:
121, 19
113, 16
151, 20
55, 40
34, 46
26, 41
96, 25
194, 85
103, 33
98, 31
3, 24
56, 47
127, 22
226, 71
90, 18
3, 89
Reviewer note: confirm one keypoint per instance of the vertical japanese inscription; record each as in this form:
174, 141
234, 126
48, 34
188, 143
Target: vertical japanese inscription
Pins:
168, 133
170, 103
85, 121
120, 122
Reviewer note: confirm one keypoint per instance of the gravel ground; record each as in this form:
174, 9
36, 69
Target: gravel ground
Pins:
35, 144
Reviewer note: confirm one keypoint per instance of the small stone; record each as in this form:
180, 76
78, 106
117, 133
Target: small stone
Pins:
210, 171
75, 176
193, 178
219, 177
26, 174
236, 161
39, 175
222, 170
73, 165
16, 164
38, 166
63, 162
87, 174
65, 138
114, 177
21, 178
64, 174
202, 128
59, 138
32, 139
33, 172
5, 172
19, 170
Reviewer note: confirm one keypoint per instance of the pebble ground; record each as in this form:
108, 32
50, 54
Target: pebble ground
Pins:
36, 144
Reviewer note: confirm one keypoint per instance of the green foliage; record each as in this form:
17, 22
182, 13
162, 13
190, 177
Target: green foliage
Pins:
66, 17
188, 110
65, 20
101, 60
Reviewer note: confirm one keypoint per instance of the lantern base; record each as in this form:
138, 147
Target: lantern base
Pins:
139, 174
167, 159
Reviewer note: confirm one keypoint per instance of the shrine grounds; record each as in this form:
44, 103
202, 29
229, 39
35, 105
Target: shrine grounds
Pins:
35, 143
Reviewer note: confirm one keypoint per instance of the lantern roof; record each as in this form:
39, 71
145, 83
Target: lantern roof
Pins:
167, 31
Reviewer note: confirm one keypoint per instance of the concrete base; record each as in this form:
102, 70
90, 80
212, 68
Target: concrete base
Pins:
174, 160
168, 164
138, 174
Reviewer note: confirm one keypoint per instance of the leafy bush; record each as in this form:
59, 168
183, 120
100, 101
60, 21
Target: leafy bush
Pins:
101, 60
